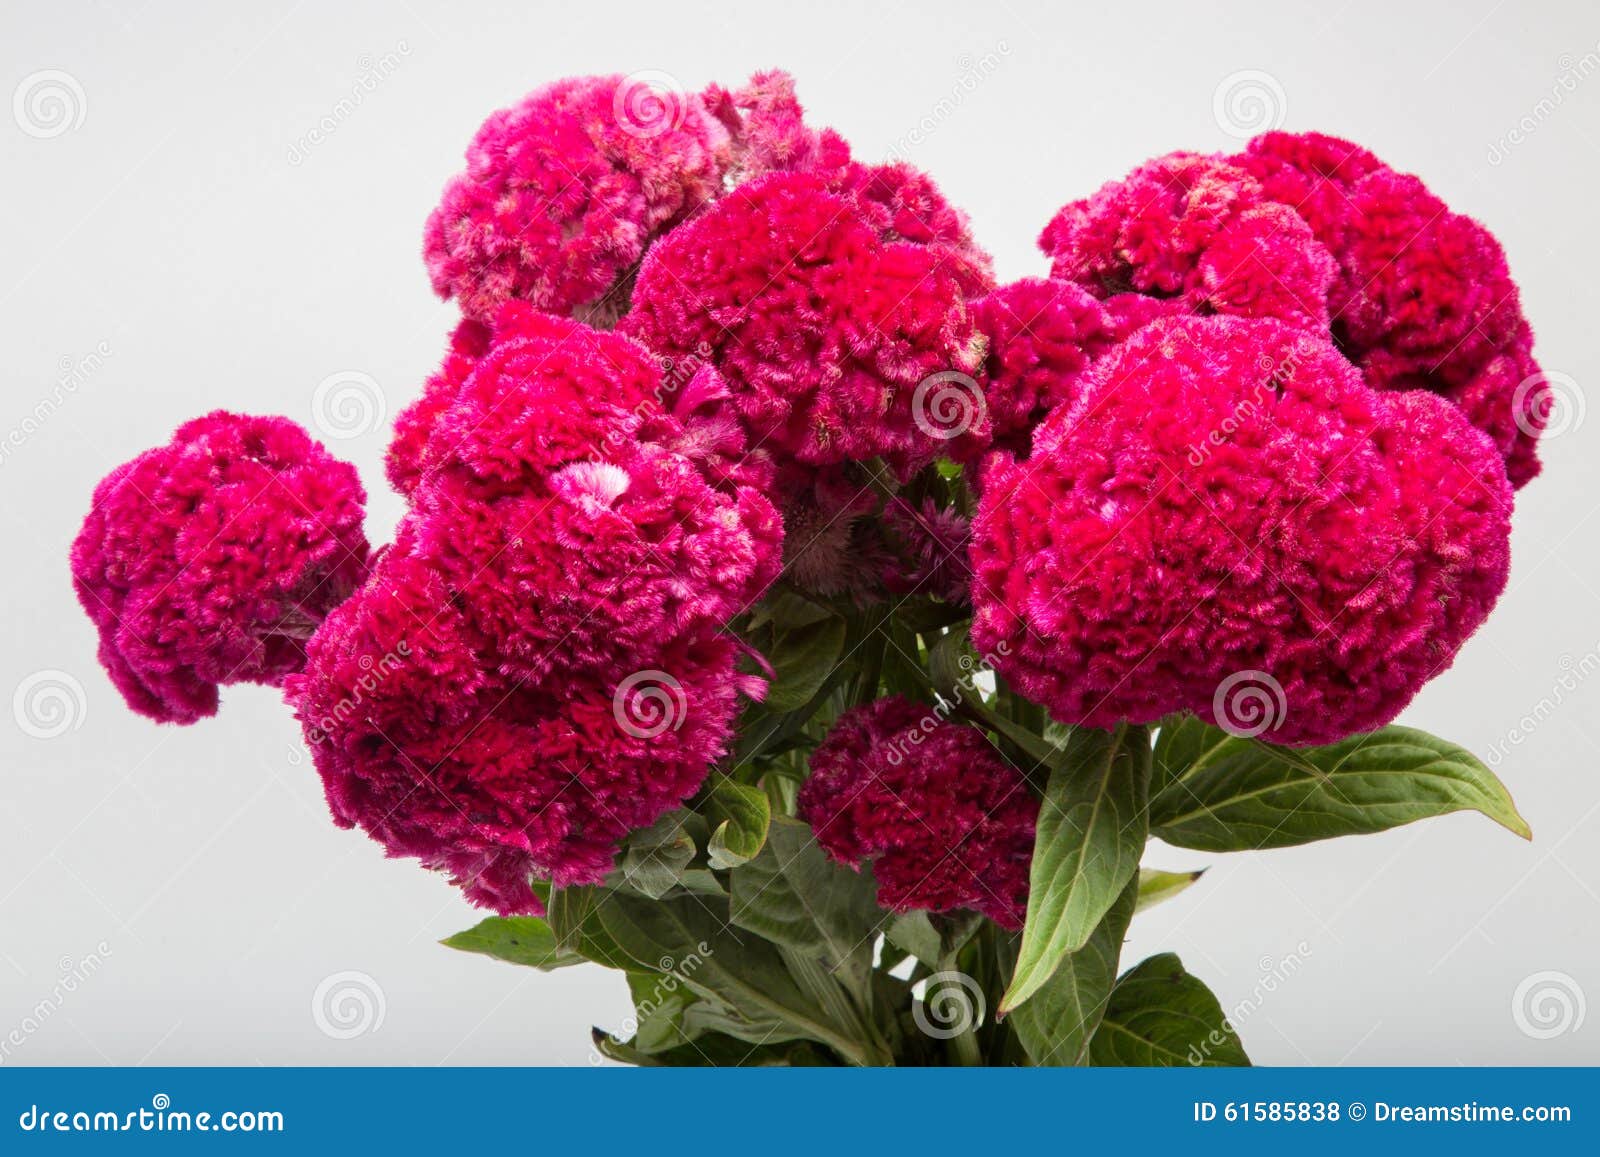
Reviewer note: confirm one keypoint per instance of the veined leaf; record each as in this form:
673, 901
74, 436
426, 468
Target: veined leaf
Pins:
1161, 1015
739, 816
525, 940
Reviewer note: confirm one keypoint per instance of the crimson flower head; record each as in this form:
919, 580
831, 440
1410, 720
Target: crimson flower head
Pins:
1227, 499
945, 822
212, 559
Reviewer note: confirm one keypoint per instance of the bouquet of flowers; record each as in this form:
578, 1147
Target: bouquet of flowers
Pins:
795, 618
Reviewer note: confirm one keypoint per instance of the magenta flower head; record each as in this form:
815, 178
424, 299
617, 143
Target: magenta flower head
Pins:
839, 336
1423, 298
945, 822
212, 559
551, 618
1226, 501
564, 191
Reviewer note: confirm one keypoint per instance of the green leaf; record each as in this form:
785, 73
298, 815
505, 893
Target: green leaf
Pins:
954, 667
574, 917
933, 937
1059, 1020
1161, 1015
793, 895
739, 815
1156, 886
802, 659
525, 940
1092, 829
1238, 794
657, 856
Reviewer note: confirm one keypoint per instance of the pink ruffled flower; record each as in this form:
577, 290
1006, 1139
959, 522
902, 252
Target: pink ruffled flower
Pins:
564, 191
945, 822
211, 559
1227, 497
824, 319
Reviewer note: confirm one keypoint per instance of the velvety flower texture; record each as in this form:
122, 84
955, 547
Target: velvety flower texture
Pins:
549, 622
564, 191
1226, 496
944, 820
825, 300
211, 559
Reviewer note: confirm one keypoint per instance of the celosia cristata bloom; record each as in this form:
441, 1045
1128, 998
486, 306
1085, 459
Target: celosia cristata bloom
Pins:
824, 315
945, 821
557, 595
1227, 495
212, 559
564, 191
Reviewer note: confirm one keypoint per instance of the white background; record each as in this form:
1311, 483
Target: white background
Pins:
172, 226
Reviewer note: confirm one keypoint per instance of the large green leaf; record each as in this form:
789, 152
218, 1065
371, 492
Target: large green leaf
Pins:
802, 659
525, 940
1092, 830
793, 895
1237, 794
739, 817
1160, 1015
1059, 1020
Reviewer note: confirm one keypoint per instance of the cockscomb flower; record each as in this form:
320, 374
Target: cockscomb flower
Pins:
564, 191
1226, 498
212, 559
929, 545
425, 746
825, 327
1424, 297
945, 822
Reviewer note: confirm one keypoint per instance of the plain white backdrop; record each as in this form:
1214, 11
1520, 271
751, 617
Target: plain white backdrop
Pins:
221, 205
